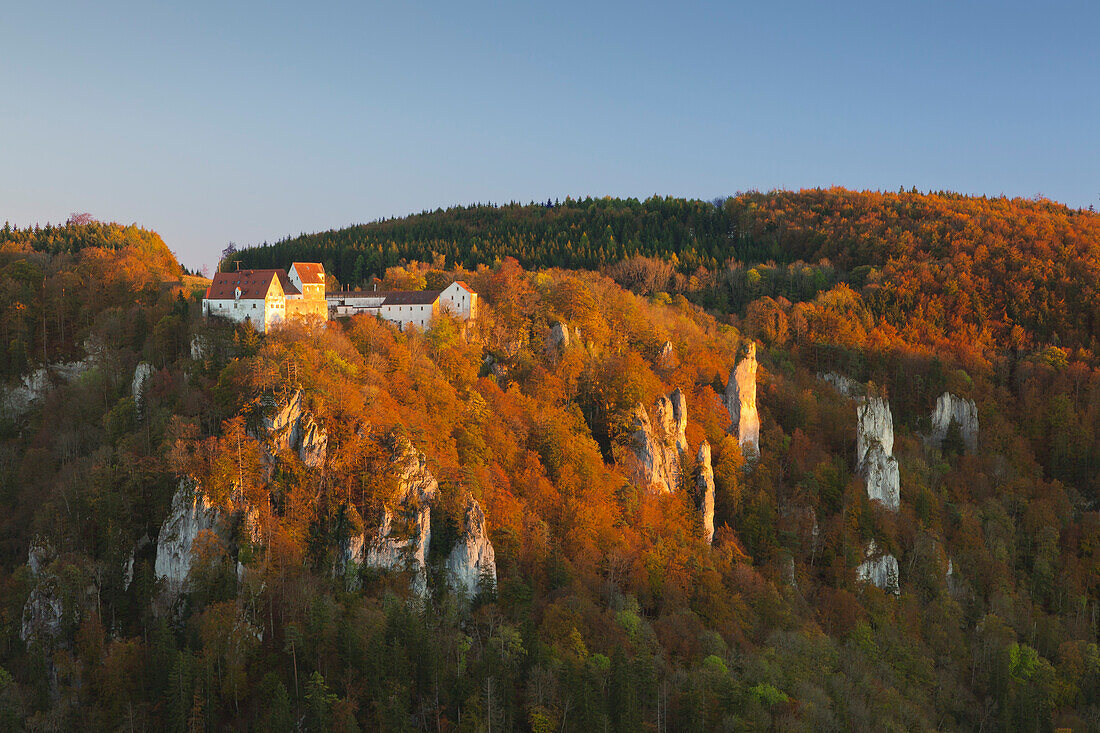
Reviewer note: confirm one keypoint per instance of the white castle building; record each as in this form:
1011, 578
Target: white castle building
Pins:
265, 297
407, 307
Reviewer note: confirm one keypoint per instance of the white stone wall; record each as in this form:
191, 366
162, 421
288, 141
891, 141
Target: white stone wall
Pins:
460, 301
238, 310
409, 315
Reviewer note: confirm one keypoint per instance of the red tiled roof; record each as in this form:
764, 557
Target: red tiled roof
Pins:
310, 273
254, 284
462, 284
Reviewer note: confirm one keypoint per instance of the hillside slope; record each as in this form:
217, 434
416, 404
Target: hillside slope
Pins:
262, 531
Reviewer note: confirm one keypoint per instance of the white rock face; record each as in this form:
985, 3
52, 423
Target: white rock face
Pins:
43, 610
292, 428
191, 514
875, 425
18, 400
874, 448
404, 536
705, 488
200, 347
954, 582
659, 444
741, 404
668, 354
558, 339
879, 569
964, 412
842, 384
142, 373
473, 556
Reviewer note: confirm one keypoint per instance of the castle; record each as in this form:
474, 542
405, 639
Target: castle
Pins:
407, 307
266, 297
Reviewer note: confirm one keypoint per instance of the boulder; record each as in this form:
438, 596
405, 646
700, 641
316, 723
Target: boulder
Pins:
705, 488
741, 404
659, 444
963, 412
472, 557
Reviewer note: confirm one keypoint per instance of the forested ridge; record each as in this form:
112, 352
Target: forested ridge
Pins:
609, 610
956, 263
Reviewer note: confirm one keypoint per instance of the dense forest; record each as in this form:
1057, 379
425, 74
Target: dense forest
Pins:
609, 609
969, 266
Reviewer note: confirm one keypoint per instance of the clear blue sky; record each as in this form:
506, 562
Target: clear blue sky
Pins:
211, 122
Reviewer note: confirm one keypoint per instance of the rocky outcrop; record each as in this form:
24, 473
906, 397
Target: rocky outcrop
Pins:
16, 401
294, 429
842, 384
741, 404
879, 569
668, 354
43, 611
472, 557
558, 338
955, 584
705, 489
142, 373
659, 444
201, 347
874, 451
403, 538
963, 412
192, 513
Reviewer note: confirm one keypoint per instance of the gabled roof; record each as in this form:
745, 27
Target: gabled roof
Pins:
411, 297
254, 284
310, 273
462, 284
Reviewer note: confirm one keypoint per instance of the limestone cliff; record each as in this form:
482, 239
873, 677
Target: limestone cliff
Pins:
879, 569
142, 373
705, 488
17, 400
659, 444
874, 449
44, 609
402, 539
293, 428
558, 338
192, 513
842, 384
963, 412
472, 557
741, 404
667, 357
